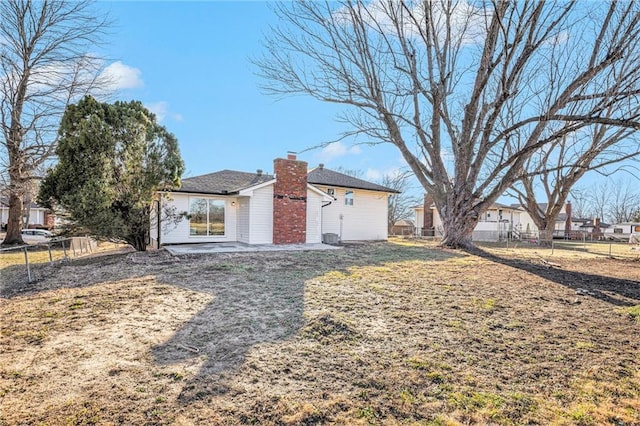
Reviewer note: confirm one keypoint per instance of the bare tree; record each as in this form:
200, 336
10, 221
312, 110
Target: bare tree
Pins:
612, 201
356, 173
44, 64
600, 198
558, 166
400, 204
579, 197
486, 84
624, 201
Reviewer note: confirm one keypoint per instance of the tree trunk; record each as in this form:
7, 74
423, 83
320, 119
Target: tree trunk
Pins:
458, 227
545, 238
139, 241
14, 221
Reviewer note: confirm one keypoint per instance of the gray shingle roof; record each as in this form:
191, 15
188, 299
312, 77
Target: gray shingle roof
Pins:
322, 176
223, 182
227, 182
4, 202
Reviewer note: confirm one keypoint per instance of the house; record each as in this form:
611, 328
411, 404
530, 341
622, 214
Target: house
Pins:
39, 217
293, 206
625, 231
567, 225
403, 227
501, 222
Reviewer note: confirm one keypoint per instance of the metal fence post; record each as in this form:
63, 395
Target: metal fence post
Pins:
26, 261
50, 256
552, 247
64, 250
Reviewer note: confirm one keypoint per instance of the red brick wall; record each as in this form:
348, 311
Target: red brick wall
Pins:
290, 201
49, 219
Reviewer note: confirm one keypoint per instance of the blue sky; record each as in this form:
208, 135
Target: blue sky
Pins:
189, 62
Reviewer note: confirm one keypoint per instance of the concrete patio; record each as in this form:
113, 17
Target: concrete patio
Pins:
235, 247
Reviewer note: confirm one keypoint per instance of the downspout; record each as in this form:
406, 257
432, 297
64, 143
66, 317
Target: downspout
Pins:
159, 217
328, 203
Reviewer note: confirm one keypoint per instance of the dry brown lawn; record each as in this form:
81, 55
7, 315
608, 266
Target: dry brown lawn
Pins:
381, 333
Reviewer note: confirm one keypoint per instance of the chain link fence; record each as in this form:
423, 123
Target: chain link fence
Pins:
24, 263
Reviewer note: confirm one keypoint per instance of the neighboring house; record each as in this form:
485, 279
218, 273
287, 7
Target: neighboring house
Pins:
499, 222
294, 206
403, 227
503, 221
39, 217
573, 228
594, 227
625, 231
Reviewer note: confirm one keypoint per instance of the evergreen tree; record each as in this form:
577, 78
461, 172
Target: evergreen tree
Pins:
113, 160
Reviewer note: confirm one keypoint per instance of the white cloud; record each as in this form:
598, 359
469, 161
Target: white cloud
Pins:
463, 21
378, 174
159, 109
121, 76
162, 111
373, 174
337, 149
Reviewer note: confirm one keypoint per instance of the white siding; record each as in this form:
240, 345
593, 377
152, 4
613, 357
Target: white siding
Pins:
36, 216
419, 217
243, 219
314, 217
366, 219
261, 216
179, 233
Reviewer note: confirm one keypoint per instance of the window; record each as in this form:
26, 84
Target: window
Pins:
331, 191
348, 198
206, 217
617, 230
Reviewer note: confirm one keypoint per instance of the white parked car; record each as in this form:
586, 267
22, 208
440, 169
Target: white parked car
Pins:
36, 235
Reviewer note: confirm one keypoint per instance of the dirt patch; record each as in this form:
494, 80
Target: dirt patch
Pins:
375, 333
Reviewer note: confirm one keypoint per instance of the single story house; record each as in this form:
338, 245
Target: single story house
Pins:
403, 227
624, 231
501, 222
39, 217
293, 206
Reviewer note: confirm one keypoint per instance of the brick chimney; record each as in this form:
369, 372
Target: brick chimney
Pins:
427, 220
290, 201
596, 226
49, 219
567, 224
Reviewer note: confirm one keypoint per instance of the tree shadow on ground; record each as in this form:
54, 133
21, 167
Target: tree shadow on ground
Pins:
259, 299
256, 298
46, 277
616, 291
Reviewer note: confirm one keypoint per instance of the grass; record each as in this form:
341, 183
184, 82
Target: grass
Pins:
381, 333
39, 254
632, 311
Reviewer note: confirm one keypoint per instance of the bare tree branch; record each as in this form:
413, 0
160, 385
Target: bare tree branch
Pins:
45, 62
490, 84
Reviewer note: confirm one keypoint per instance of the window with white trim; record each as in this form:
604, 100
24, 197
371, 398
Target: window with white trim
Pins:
348, 198
206, 217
